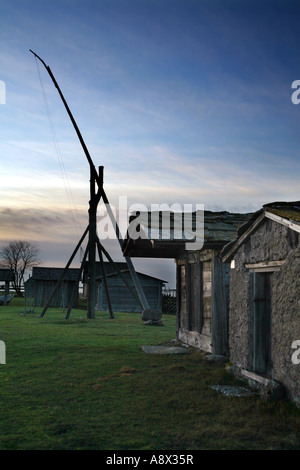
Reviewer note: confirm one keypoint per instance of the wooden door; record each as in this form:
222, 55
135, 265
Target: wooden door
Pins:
196, 298
262, 358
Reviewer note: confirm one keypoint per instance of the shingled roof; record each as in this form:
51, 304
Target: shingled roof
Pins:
6, 275
219, 229
109, 268
53, 274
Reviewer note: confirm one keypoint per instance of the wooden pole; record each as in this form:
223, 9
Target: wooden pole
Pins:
134, 276
127, 284
75, 290
97, 178
85, 149
92, 251
94, 201
64, 272
6, 292
111, 313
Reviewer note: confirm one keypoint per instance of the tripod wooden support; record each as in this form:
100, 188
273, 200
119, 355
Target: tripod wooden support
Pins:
96, 193
90, 256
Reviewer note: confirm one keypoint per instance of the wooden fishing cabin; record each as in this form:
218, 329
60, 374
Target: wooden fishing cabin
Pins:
202, 280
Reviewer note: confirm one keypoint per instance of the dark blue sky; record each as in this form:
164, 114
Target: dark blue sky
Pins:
182, 101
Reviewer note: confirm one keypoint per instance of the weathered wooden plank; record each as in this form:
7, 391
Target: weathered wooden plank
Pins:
206, 255
178, 297
195, 339
207, 287
188, 288
196, 307
192, 257
206, 328
207, 307
288, 223
266, 264
219, 322
262, 323
207, 276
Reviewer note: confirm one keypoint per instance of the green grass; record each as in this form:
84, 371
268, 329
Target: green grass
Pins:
87, 384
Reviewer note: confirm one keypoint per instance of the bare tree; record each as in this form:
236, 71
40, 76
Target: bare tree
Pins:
19, 256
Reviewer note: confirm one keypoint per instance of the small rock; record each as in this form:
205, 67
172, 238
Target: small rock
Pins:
232, 391
216, 358
151, 314
164, 350
154, 322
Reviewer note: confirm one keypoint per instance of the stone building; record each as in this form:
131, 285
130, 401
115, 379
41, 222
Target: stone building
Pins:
264, 314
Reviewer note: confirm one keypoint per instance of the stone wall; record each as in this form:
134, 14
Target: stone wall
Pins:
270, 242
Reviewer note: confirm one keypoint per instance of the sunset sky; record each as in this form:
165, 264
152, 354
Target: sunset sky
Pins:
181, 101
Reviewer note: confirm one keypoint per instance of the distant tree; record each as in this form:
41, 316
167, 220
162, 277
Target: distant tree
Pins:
19, 256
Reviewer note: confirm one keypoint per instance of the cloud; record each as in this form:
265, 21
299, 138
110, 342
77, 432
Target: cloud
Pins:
37, 225
232, 180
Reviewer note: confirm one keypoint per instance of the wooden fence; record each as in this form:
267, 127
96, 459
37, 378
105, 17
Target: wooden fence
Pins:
169, 301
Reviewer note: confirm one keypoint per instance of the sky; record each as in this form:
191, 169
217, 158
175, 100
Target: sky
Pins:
181, 101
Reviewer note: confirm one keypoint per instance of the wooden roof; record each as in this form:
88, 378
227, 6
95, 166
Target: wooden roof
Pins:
108, 268
219, 229
141, 275
6, 275
53, 274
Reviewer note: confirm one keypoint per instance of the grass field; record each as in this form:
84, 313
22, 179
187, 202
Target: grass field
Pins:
87, 384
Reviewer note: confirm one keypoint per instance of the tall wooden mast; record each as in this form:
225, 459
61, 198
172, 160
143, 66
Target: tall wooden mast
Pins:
96, 193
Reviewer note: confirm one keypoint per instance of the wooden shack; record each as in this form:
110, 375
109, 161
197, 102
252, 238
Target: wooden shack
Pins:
264, 316
109, 268
6, 276
122, 299
42, 282
202, 282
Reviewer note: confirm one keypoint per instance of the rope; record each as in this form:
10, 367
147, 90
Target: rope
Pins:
60, 159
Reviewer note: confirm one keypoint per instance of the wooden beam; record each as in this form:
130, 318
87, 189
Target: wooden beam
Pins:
178, 298
92, 250
267, 266
111, 313
255, 377
130, 288
75, 290
219, 317
64, 272
281, 220
242, 238
134, 276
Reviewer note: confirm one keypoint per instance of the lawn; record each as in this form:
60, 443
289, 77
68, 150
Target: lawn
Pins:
87, 384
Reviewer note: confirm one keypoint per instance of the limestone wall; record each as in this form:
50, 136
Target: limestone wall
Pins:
270, 242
